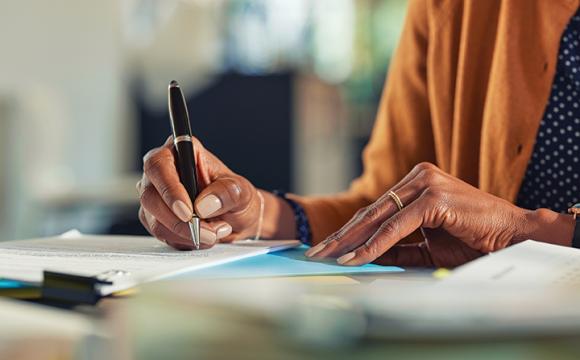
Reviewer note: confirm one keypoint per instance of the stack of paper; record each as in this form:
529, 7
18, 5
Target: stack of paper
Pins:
123, 260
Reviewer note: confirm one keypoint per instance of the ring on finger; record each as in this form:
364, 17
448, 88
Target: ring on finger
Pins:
396, 199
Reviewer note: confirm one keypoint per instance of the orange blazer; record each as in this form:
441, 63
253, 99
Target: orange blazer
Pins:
466, 90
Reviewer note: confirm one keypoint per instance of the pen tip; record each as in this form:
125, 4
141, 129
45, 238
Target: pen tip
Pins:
173, 83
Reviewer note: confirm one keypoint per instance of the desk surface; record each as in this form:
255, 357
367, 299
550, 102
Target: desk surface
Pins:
225, 332
151, 323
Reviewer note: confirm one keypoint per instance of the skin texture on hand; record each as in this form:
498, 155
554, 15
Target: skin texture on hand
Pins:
459, 221
227, 203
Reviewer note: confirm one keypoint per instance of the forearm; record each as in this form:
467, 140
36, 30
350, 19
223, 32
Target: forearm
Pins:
548, 226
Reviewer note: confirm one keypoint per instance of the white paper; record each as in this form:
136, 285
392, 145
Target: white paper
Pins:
125, 260
527, 263
528, 288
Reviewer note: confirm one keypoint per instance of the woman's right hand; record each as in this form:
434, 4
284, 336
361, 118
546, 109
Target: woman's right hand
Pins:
228, 204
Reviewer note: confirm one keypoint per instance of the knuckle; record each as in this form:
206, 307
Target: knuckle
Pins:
147, 194
360, 212
155, 158
334, 238
359, 215
234, 190
372, 213
371, 248
168, 191
389, 228
429, 176
151, 154
338, 237
424, 166
155, 227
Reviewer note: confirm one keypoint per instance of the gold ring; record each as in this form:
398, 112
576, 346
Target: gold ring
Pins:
396, 199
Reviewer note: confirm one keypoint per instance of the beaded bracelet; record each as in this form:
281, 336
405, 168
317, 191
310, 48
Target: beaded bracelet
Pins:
302, 224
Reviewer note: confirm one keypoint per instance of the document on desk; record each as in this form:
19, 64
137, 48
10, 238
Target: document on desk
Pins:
123, 260
528, 288
527, 263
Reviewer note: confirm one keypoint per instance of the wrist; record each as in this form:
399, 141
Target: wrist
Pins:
278, 220
548, 226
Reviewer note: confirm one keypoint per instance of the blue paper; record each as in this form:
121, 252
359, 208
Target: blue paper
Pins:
12, 284
290, 262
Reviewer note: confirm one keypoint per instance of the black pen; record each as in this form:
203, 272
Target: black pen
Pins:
182, 140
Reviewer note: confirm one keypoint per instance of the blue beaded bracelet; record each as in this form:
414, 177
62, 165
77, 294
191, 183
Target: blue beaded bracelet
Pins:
302, 224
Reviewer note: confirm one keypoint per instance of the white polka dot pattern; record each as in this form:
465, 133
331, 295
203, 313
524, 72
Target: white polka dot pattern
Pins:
552, 179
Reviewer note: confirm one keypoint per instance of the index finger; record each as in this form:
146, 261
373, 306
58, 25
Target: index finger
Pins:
365, 222
368, 220
399, 226
159, 167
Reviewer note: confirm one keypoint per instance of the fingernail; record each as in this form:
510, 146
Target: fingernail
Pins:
208, 205
207, 237
224, 231
182, 211
315, 250
345, 258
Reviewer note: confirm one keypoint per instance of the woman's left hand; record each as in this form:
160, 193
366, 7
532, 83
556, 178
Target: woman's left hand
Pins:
460, 223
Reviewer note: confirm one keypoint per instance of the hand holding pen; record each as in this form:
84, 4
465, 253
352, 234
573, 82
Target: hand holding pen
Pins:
227, 203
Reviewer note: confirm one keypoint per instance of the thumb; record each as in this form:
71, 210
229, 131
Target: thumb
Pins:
230, 193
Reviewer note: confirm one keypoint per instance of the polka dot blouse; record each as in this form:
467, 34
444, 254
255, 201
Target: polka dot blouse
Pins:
552, 179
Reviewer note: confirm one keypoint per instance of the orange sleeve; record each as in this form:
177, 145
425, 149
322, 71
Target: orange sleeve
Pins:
401, 137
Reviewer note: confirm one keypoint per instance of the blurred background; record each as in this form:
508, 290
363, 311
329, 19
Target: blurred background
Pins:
285, 92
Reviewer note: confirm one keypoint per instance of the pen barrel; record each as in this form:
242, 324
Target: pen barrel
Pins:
186, 167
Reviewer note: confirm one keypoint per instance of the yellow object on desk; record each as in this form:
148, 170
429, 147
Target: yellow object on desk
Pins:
441, 273
324, 280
